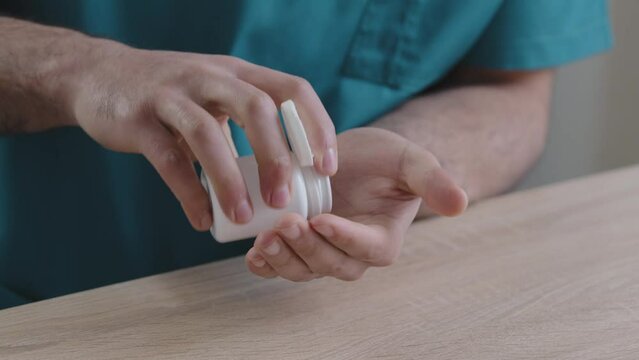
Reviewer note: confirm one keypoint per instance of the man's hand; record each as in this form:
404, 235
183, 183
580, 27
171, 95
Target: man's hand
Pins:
171, 107
376, 194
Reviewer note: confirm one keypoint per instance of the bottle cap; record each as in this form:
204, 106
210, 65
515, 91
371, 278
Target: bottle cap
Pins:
296, 134
318, 187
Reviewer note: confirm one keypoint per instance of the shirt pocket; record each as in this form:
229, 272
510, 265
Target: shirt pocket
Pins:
410, 44
385, 45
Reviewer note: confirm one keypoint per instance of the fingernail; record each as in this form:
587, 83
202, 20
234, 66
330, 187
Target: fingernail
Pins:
464, 199
329, 161
274, 247
292, 232
258, 261
279, 197
325, 230
243, 212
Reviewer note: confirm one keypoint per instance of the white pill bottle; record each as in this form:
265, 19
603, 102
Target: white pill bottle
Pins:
310, 191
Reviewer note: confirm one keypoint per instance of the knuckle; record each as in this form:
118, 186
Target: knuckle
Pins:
260, 106
162, 95
300, 86
168, 159
161, 101
190, 71
278, 167
173, 109
152, 148
209, 90
232, 63
192, 127
188, 125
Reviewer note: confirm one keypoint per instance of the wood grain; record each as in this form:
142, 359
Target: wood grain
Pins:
551, 273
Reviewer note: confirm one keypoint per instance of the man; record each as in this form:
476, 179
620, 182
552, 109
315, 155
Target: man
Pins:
445, 101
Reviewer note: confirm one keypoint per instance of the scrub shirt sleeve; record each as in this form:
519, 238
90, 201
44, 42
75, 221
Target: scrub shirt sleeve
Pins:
528, 35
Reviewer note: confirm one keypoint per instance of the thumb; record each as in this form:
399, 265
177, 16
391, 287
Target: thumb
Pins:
423, 176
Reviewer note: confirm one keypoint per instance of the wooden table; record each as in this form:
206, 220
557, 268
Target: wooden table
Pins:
550, 273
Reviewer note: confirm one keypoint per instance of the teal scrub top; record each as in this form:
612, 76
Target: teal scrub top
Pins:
74, 215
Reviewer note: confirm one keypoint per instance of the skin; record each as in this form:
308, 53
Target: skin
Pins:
168, 106
373, 206
472, 137
484, 128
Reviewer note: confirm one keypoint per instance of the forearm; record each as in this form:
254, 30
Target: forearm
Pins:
486, 134
36, 64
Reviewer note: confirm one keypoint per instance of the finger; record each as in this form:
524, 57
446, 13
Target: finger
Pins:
369, 243
256, 113
175, 168
184, 146
280, 257
182, 143
257, 265
205, 137
423, 176
317, 123
320, 256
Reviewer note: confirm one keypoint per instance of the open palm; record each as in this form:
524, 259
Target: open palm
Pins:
377, 191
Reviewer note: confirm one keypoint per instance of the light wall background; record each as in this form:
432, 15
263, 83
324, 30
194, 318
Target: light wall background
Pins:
595, 116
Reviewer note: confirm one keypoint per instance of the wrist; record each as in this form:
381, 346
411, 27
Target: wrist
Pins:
41, 69
67, 73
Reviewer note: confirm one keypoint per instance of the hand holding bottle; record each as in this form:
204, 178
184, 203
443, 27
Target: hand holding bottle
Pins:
171, 106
